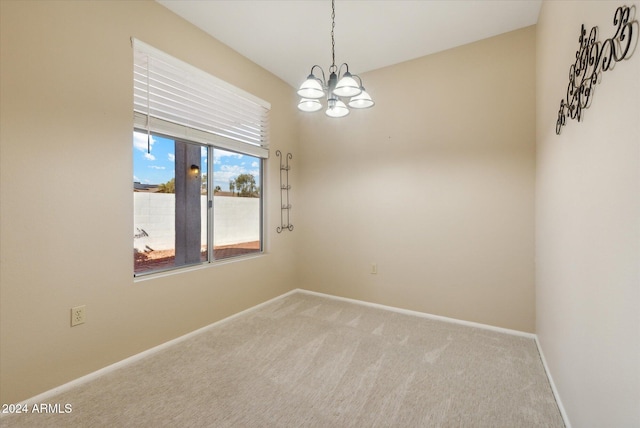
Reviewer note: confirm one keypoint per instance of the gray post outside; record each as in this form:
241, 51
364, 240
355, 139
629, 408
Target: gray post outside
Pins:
187, 204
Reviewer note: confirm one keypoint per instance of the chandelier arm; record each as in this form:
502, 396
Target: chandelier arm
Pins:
340, 68
324, 79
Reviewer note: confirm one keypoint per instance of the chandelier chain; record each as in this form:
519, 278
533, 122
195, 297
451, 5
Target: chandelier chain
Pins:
333, 40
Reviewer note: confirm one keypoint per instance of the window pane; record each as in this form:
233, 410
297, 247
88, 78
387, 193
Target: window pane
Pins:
170, 203
237, 204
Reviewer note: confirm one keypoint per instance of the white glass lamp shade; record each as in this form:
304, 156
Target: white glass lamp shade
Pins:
309, 105
361, 101
311, 88
336, 108
347, 86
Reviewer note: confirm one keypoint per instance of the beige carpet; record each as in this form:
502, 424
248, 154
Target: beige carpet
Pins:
310, 361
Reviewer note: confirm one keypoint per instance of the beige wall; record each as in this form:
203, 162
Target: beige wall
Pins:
588, 225
66, 197
435, 184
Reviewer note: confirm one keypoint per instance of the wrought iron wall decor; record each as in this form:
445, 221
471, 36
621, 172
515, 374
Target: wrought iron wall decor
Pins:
285, 206
592, 59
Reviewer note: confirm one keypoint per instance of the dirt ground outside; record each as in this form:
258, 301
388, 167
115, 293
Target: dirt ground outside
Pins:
164, 259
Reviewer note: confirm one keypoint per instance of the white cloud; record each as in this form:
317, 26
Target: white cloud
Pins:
171, 157
219, 153
149, 156
140, 141
229, 172
156, 167
232, 169
255, 164
136, 179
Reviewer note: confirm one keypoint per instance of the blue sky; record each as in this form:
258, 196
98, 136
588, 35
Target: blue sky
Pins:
158, 166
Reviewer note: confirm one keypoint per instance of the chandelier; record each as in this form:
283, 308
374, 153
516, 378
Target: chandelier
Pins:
341, 86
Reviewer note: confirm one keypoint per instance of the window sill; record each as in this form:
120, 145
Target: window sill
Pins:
208, 265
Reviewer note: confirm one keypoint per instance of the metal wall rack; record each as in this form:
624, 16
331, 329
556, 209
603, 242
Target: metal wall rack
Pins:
285, 205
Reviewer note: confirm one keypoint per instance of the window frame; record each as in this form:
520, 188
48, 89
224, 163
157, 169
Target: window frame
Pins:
175, 100
211, 260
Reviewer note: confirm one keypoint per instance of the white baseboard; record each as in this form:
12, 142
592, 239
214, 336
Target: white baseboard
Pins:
424, 315
556, 395
563, 412
45, 396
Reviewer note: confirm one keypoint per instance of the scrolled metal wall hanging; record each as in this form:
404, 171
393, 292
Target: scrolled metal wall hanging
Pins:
285, 206
592, 59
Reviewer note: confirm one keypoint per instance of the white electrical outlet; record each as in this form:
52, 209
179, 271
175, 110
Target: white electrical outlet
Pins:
78, 315
374, 269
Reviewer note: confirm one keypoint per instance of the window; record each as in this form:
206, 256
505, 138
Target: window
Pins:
198, 151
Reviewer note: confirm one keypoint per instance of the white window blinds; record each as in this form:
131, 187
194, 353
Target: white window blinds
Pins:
174, 98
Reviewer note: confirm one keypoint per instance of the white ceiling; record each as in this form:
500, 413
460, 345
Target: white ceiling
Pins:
287, 37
